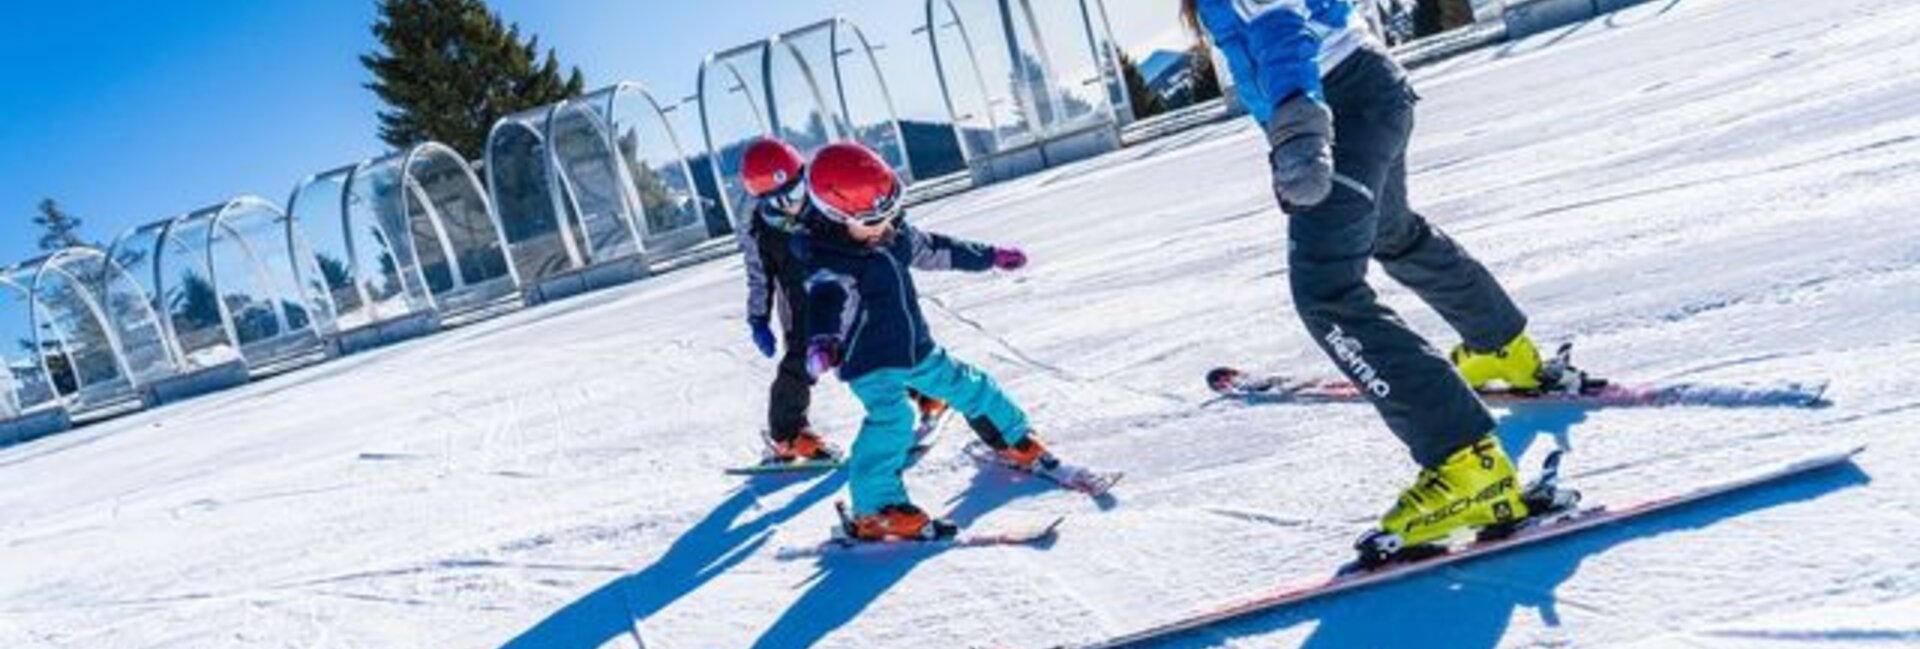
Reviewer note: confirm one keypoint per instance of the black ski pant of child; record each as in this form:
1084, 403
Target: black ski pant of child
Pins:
1422, 397
792, 392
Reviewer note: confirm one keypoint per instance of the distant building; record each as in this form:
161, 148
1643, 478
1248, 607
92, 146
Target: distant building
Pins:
1169, 74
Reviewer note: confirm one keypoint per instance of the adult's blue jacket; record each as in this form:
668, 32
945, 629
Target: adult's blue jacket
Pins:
1277, 48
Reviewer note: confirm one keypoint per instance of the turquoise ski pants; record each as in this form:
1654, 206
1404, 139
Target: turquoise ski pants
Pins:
886, 436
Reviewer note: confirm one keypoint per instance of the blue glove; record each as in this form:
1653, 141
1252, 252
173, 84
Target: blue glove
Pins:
763, 336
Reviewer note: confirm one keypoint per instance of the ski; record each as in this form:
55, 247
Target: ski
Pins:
1551, 527
1029, 534
926, 434
1565, 385
1085, 480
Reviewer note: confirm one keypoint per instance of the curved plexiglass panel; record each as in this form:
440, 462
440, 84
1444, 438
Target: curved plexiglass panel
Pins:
1060, 64
385, 253
317, 210
975, 65
1016, 72
259, 260
671, 214
540, 244
99, 338
454, 230
168, 259
580, 142
826, 85
799, 78
26, 386
733, 114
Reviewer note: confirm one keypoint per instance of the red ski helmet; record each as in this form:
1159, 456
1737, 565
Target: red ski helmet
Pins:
770, 165
849, 183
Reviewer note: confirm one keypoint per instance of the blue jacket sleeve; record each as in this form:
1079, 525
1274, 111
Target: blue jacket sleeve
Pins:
832, 299
932, 251
1270, 48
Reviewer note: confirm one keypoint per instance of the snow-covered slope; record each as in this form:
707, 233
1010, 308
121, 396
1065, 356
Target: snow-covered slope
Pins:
1705, 189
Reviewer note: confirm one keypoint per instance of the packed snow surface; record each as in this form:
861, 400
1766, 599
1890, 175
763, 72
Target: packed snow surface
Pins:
1710, 190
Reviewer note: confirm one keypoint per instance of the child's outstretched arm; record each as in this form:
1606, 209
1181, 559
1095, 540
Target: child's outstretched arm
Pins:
833, 300
933, 251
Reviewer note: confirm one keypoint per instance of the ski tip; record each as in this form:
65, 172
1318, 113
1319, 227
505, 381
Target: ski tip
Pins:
1221, 379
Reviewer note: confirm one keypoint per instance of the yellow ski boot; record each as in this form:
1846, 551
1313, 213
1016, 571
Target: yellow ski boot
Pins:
1513, 368
1475, 489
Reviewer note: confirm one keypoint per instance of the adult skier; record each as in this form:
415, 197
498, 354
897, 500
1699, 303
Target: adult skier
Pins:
1338, 112
864, 319
773, 172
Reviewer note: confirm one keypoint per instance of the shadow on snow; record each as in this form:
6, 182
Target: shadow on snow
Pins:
1472, 605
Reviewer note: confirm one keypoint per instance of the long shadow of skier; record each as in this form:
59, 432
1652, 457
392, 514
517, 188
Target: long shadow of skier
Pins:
1471, 606
709, 549
846, 584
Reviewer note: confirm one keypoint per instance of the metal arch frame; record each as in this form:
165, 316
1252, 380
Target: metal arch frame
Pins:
532, 122
673, 139
18, 405
294, 237
53, 264
261, 271
353, 253
1110, 68
946, 89
422, 151
601, 123
706, 115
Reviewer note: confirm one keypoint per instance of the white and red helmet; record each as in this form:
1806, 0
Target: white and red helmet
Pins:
849, 183
769, 166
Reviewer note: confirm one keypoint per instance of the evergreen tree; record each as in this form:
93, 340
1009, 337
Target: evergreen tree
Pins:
449, 69
59, 226
1146, 103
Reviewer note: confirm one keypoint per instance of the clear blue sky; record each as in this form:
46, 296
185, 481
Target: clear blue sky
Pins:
128, 112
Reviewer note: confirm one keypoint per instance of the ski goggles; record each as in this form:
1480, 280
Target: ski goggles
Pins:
789, 199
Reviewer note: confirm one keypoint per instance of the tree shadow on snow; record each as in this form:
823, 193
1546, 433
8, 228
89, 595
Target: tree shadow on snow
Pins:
709, 549
1471, 605
846, 585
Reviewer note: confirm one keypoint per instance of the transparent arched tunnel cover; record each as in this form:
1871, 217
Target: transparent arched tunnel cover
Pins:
800, 80
258, 262
538, 242
672, 216
316, 211
732, 115
580, 142
169, 261
1060, 65
827, 86
100, 338
387, 255
25, 386
450, 215
976, 68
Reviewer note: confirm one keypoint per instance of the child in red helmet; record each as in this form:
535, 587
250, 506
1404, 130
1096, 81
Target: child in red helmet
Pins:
772, 172
865, 320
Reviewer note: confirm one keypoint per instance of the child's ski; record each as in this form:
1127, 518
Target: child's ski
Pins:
1030, 533
926, 434
1546, 529
1085, 480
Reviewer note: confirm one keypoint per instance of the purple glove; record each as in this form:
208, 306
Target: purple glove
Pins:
823, 355
1009, 259
763, 336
